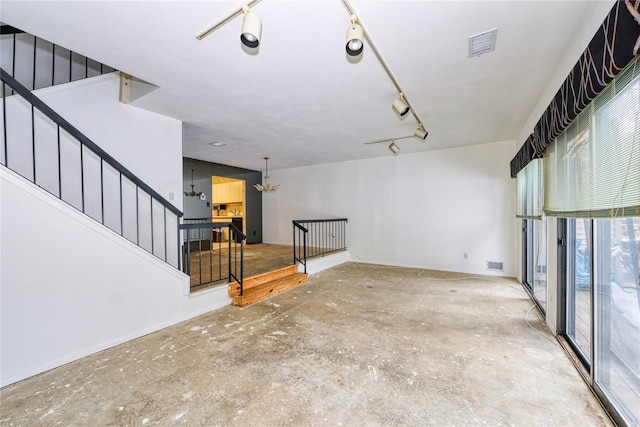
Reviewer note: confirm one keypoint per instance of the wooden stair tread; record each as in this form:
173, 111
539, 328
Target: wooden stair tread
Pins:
253, 281
266, 289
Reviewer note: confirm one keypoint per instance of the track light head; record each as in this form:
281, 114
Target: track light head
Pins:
355, 37
393, 147
251, 28
420, 132
401, 106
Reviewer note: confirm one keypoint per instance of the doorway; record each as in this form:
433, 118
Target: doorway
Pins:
228, 204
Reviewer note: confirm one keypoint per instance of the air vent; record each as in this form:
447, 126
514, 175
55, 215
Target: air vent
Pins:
495, 266
482, 43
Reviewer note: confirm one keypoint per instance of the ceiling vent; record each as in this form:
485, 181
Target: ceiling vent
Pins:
482, 43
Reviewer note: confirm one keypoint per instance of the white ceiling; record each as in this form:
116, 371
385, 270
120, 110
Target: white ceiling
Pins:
299, 99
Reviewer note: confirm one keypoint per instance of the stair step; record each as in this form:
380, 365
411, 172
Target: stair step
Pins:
265, 290
253, 281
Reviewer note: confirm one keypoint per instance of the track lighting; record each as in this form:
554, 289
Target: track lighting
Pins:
420, 132
393, 147
355, 37
401, 106
251, 25
251, 28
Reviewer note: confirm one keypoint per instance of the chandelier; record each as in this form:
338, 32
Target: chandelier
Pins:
266, 186
192, 193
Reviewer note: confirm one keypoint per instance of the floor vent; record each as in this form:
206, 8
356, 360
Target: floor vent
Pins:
495, 266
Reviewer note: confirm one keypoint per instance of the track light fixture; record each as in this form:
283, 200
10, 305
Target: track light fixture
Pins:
251, 28
393, 147
251, 25
401, 106
421, 133
355, 37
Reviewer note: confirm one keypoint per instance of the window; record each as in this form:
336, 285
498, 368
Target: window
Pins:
592, 178
578, 287
592, 169
617, 314
530, 186
535, 259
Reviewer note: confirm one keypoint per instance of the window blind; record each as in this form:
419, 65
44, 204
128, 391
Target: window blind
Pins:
529, 190
612, 47
592, 169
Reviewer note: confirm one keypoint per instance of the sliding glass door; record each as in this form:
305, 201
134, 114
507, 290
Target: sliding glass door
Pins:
535, 259
602, 294
578, 287
592, 177
617, 314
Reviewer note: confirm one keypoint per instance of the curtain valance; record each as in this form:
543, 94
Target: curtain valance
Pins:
610, 50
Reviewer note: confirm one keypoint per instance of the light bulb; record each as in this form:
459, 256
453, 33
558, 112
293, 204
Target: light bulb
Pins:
355, 45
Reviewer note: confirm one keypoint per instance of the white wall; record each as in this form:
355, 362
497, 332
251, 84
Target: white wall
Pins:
68, 286
420, 210
591, 22
148, 144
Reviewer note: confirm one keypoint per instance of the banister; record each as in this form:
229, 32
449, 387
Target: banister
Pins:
325, 236
307, 221
74, 132
235, 263
8, 29
298, 225
140, 227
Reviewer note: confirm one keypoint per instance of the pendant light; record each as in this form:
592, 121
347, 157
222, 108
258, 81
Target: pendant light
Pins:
192, 193
266, 187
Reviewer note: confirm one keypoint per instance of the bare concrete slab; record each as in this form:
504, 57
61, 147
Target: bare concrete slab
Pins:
358, 345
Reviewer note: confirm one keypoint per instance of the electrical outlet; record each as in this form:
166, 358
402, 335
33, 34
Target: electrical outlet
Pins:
466, 255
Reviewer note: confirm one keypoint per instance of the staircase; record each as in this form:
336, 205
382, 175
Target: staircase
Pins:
264, 285
37, 63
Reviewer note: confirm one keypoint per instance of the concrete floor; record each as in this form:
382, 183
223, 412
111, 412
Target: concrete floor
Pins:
358, 345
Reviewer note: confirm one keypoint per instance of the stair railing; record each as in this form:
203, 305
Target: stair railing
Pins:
42, 147
317, 237
207, 258
37, 63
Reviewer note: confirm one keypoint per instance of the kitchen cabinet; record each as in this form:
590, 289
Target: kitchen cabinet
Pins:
229, 192
237, 192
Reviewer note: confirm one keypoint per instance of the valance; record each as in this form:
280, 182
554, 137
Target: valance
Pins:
610, 50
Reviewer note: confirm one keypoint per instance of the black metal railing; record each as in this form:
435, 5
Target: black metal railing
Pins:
37, 63
317, 237
210, 255
41, 146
